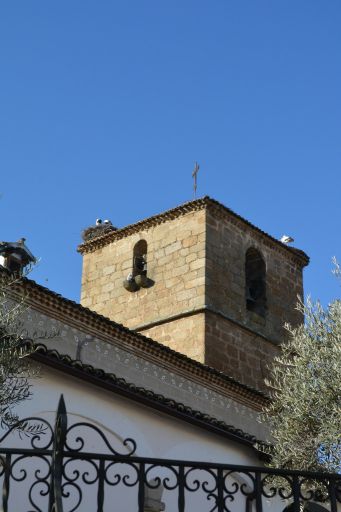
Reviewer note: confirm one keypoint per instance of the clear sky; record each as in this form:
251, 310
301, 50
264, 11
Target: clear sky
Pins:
105, 105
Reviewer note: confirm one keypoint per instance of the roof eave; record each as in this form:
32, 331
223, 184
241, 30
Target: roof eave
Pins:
51, 303
143, 396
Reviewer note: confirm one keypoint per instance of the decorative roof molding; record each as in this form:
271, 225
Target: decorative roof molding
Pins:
155, 400
217, 209
55, 306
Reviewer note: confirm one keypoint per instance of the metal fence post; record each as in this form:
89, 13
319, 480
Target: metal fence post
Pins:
56, 503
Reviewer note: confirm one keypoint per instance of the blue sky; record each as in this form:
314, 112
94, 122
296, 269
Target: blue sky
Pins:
106, 105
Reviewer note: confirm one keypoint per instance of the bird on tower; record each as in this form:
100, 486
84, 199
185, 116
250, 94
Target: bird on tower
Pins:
286, 239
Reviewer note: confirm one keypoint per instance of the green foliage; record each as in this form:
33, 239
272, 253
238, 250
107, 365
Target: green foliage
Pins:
305, 412
15, 347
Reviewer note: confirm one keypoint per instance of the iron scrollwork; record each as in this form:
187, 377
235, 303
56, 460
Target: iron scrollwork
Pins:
58, 474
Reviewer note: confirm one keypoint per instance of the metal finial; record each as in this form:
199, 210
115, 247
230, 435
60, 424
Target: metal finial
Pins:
194, 176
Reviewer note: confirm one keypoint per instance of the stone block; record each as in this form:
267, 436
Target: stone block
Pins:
198, 263
190, 241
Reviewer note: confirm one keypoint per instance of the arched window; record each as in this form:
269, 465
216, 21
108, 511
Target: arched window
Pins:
138, 278
255, 282
140, 258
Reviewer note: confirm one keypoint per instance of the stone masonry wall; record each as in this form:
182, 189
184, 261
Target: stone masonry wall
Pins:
176, 264
185, 335
238, 352
197, 304
227, 243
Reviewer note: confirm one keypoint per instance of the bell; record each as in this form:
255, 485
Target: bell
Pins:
142, 280
130, 285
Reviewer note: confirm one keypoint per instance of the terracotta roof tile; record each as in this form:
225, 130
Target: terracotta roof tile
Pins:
120, 385
53, 304
217, 209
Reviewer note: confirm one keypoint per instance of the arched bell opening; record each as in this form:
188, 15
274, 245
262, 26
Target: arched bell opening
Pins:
140, 258
255, 282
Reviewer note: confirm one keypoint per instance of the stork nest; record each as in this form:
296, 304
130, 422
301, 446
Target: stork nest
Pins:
94, 231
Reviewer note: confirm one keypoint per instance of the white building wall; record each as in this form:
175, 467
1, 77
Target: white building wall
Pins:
156, 434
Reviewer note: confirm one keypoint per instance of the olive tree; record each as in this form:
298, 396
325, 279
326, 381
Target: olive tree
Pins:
305, 411
15, 347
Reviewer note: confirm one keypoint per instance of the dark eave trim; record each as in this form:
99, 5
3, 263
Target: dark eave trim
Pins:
149, 398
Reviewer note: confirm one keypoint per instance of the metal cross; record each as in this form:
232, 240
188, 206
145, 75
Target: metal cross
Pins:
194, 176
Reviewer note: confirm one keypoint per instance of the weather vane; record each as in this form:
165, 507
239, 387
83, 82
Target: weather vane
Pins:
194, 176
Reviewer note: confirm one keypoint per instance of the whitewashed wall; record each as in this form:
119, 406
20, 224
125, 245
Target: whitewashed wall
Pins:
156, 435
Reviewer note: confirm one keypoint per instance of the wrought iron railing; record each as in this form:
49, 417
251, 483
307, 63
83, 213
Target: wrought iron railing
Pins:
56, 473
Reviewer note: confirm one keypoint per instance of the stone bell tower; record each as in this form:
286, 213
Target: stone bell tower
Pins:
200, 279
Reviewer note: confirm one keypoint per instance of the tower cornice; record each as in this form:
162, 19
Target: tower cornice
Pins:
218, 211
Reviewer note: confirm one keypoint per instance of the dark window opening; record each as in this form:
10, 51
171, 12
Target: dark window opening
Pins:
140, 259
255, 282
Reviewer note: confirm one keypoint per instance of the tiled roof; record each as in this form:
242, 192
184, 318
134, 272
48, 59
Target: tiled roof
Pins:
216, 208
155, 400
56, 306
